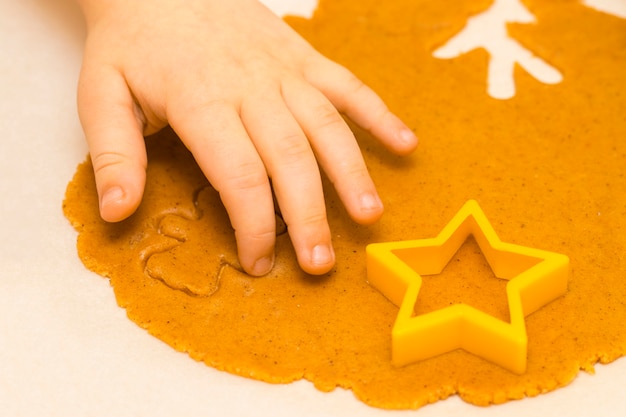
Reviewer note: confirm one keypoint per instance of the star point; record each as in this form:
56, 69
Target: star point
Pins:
535, 278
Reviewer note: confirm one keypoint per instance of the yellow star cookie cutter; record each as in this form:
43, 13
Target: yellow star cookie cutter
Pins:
535, 278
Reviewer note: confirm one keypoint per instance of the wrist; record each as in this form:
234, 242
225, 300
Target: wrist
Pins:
93, 9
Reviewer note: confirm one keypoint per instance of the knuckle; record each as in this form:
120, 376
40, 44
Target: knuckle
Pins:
354, 85
316, 220
107, 161
247, 176
194, 107
327, 117
354, 170
259, 237
207, 105
293, 148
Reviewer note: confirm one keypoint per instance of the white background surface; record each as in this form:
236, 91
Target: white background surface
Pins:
66, 348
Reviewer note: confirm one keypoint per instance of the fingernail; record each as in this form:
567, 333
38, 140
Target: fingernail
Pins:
407, 136
322, 255
112, 195
370, 202
263, 266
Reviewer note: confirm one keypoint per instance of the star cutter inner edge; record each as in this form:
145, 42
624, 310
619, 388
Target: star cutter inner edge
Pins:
535, 278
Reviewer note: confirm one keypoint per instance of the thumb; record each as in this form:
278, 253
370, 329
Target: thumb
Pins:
114, 135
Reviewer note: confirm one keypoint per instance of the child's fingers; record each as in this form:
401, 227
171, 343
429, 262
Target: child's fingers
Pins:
361, 104
215, 136
114, 135
291, 164
336, 150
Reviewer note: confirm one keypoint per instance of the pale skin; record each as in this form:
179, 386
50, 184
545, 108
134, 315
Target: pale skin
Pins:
256, 105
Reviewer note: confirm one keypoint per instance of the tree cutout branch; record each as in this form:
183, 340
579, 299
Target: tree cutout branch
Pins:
488, 30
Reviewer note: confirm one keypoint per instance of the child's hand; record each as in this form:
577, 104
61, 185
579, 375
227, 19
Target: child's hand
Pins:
251, 100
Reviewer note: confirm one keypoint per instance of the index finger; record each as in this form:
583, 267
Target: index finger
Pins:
361, 104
